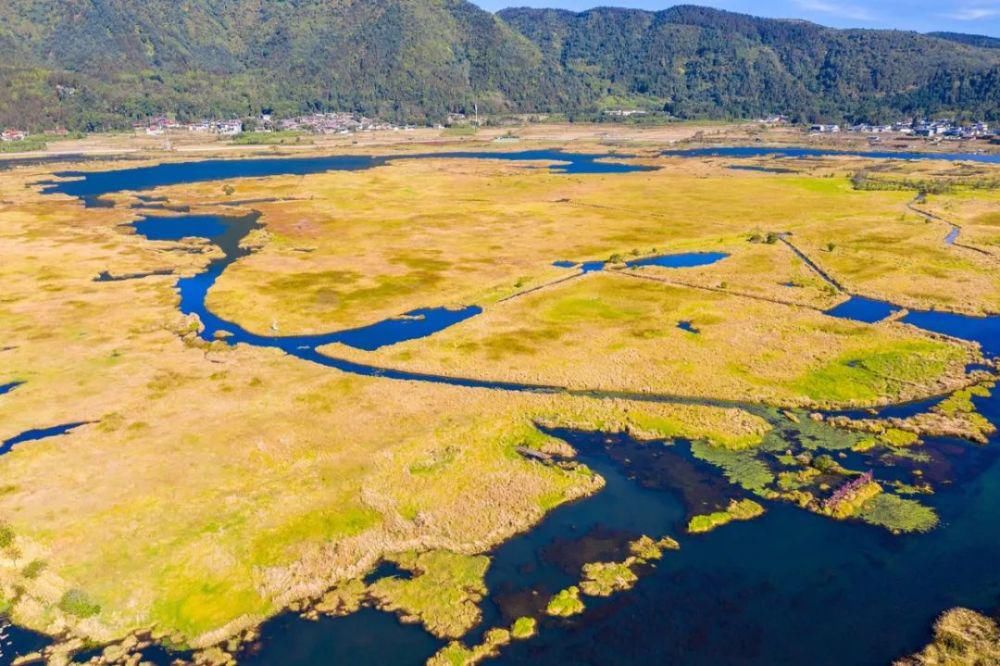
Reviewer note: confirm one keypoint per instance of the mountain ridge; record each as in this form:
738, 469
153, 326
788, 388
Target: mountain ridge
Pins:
94, 64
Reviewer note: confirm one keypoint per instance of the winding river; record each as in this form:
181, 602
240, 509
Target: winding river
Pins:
790, 587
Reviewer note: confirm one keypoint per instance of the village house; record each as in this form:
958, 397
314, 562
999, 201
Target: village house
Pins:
13, 135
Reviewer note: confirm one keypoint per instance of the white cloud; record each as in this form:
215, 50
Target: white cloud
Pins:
974, 13
838, 10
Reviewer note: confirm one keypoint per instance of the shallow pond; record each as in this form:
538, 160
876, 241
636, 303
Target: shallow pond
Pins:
862, 309
675, 260
36, 434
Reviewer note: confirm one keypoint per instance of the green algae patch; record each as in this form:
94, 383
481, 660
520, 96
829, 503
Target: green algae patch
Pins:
897, 514
443, 595
742, 468
566, 603
744, 509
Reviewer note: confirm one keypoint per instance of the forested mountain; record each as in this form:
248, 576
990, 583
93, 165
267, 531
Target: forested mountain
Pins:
89, 64
971, 40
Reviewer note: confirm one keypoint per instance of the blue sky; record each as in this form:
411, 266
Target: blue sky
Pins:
974, 16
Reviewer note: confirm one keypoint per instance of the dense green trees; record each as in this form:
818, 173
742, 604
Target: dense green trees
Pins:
95, 64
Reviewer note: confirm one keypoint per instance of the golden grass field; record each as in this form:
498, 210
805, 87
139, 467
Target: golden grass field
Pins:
212, 486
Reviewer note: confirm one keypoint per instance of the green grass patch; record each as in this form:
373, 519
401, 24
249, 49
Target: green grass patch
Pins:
524, 628
77, 602
460, 130
602, 579
195, 604
878, 372
444, 594
744, 509
345, 519
566, 603
270, 138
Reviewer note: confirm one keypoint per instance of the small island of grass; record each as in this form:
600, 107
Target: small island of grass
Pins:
744, 509
566, 603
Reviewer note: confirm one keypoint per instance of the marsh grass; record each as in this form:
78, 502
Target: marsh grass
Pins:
565, 603
443, 595
897, 514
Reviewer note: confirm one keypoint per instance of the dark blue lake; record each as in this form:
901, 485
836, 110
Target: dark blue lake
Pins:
765, 151
89, 186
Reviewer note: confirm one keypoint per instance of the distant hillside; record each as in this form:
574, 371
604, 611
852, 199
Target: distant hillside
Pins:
90, 64
981, 41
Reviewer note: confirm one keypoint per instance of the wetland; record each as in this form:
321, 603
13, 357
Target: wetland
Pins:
422, 433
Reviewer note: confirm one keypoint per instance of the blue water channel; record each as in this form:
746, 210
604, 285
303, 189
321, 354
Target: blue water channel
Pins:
767, 151
91, 185
37, 434
789, 588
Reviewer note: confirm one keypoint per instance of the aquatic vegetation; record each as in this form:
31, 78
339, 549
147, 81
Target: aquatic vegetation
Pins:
729, 428
961, 638
565, 603
812, 432
343, 599
955, 416
602, 579
897, 437
743, 468
898, 514
524, 628
744, 509
443, 594
648, 550
708, 522
457, 654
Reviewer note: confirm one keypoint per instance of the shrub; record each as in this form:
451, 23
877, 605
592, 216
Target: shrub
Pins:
77, 602
34, 569
6, 536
